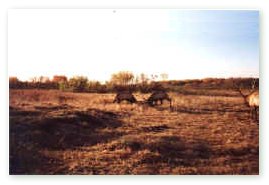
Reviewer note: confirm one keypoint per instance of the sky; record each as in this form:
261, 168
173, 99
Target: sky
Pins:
185, 44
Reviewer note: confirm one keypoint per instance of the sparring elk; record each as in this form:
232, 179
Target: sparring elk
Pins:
252, 101
158, 96
124, 96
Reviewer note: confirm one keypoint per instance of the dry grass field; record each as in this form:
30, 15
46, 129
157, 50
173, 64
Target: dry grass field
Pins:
53, 132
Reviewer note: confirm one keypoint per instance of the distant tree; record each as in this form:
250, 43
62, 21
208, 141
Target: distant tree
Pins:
143, 83
153, 77
109, 86
143, 78
59, 78
164, 76
62, 82
94, 86
45, 79
78, 84
63, 86
122, 78
41, 82
13, 80
40, 79
34, 79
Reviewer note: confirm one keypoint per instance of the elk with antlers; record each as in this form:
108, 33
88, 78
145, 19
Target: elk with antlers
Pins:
124, 96
158, 96
252, 101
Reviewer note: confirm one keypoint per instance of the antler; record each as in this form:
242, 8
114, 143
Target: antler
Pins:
253, 83
238, 88
235, 84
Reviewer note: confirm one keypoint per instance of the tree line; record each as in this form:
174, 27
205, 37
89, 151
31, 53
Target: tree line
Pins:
127, 81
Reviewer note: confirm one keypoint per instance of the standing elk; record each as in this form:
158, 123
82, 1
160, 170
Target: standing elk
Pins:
124, 96
158, 96
252, 101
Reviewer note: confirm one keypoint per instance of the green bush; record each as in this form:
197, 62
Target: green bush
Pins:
63, 86
78, 84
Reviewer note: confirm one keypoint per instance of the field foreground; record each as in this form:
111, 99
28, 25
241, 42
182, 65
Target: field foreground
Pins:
53, 132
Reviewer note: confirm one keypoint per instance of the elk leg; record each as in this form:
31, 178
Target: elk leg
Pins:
256, 113
250, 113
253, 113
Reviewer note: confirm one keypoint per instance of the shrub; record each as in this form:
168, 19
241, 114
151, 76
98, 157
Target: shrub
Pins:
78, 84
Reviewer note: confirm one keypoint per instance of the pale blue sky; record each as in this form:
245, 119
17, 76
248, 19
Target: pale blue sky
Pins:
185, 44
229, 35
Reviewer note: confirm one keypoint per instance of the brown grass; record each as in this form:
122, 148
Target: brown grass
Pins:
53, 132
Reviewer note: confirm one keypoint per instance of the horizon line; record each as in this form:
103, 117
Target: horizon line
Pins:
104, 81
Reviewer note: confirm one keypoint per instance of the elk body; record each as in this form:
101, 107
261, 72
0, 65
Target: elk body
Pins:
124, 96
252, 101
158, 96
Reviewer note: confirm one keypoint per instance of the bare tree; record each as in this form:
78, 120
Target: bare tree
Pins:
122, 78
143, 78
164, 76
154, 77
40, 79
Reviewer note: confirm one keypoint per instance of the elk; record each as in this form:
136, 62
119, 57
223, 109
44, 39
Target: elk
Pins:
158, 96
252, 101
124, 96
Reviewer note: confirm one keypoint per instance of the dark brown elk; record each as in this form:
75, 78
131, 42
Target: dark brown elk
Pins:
158, 96
252, 101
124, 96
